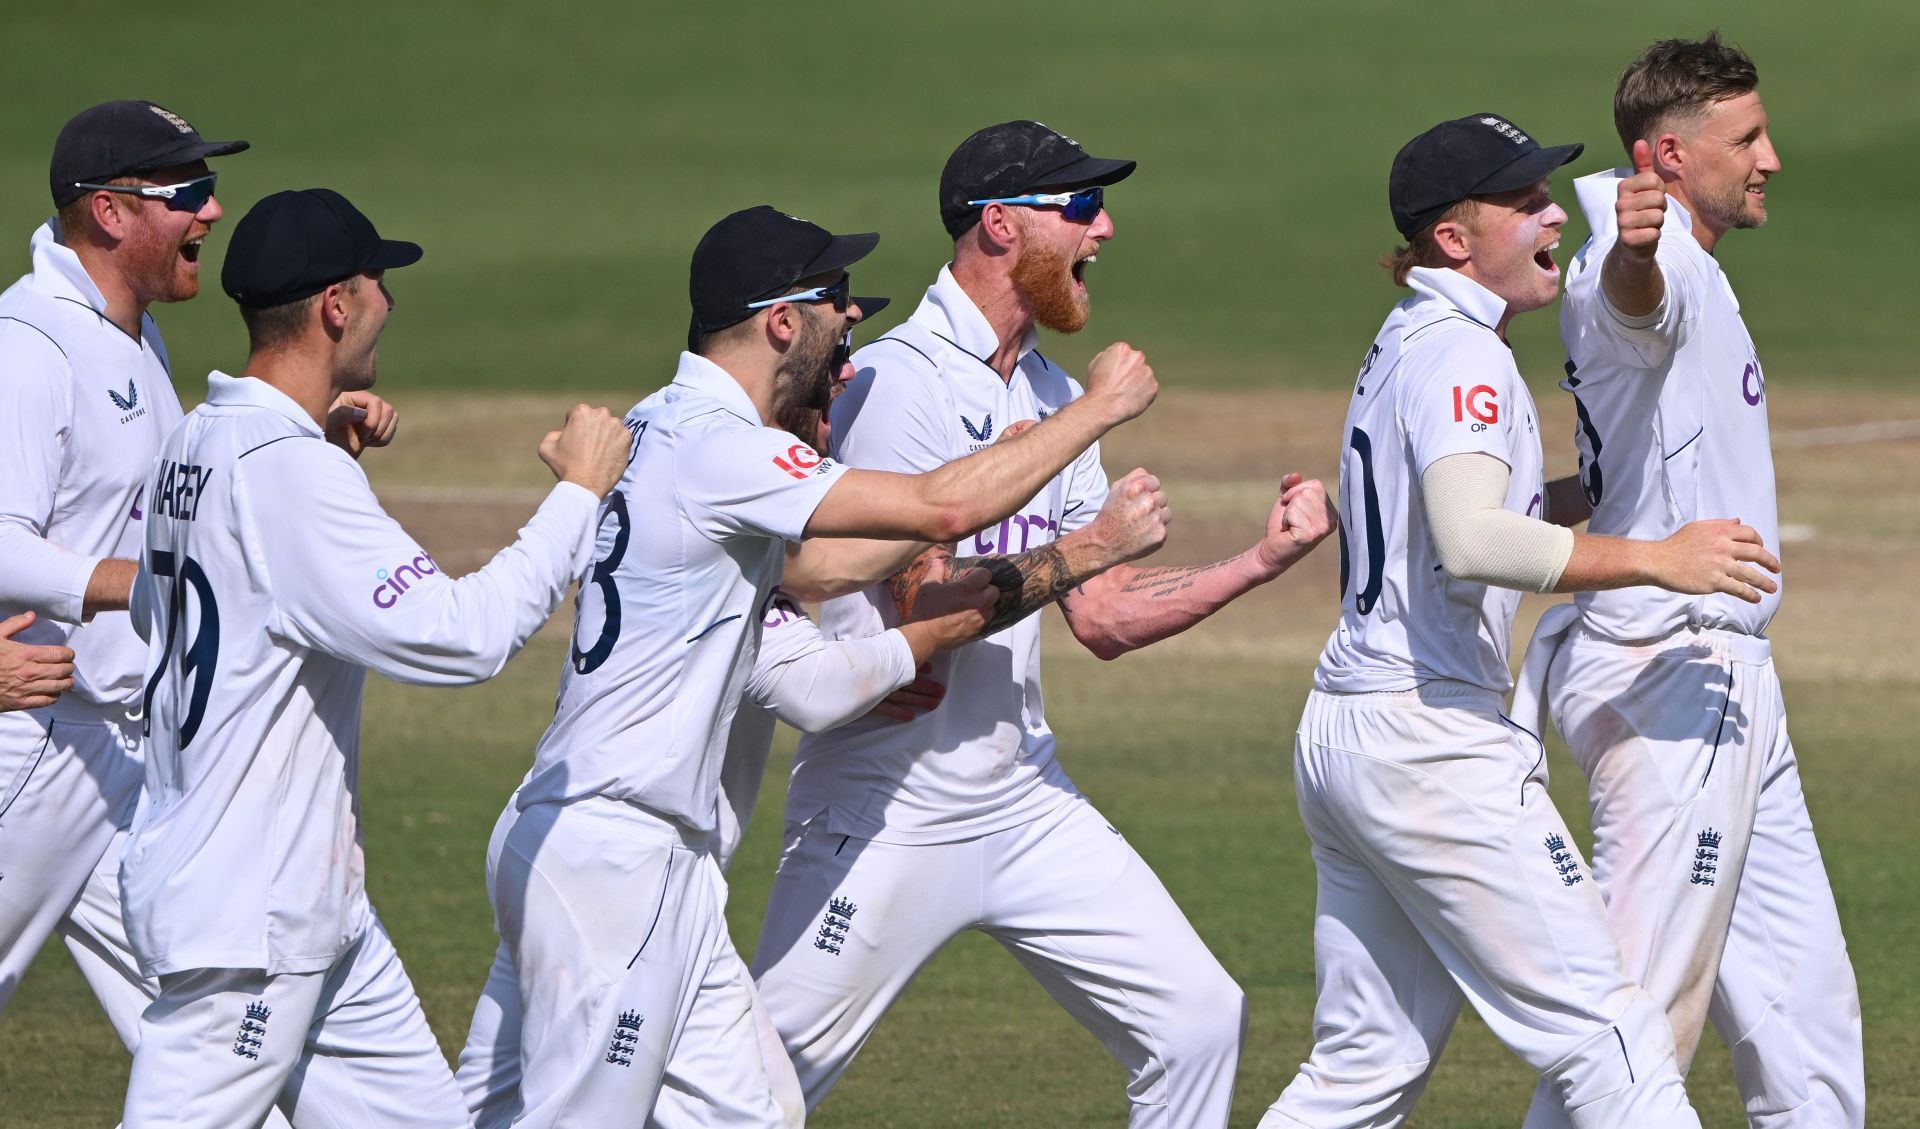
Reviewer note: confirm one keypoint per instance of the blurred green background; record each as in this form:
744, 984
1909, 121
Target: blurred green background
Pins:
560, 161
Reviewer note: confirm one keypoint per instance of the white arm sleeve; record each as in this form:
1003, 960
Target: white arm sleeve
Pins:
836, 682
323, 543
1478, 538
36, 413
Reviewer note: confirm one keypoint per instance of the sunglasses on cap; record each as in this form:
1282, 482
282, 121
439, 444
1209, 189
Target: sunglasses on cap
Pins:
1078, 206
186, 196
838, 293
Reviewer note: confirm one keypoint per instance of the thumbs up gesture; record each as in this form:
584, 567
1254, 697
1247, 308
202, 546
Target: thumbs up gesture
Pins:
1641, 206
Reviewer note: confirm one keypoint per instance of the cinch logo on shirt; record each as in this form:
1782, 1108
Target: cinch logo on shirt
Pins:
998, 540
394, 585
800, 459
1753, 384
1481, 402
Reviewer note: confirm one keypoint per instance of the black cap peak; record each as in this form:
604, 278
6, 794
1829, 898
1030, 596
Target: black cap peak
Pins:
1478, 155
297, 243
1013, 159
123, 138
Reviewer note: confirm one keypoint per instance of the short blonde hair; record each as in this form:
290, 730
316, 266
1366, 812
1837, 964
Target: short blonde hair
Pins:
1421, 250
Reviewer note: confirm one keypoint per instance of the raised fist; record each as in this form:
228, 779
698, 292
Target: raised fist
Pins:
1134, 520
1120, 379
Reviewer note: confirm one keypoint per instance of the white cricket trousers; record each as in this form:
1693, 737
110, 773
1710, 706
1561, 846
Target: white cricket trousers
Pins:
346, 1048
70, 794
851, 921
632, 1005
1445, 874
1705, 854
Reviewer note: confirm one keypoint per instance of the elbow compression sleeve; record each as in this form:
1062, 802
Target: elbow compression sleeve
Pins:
1478, 538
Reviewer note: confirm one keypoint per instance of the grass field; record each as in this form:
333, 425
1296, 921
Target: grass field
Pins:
559, 162
1184, 746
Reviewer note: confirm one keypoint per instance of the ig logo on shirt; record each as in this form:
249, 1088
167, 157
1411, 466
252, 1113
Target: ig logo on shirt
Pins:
1481, 402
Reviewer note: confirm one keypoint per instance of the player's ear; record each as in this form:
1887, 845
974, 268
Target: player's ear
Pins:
1453, 239
1000, 228
1669, 152
333, 309
110, 213
783, 324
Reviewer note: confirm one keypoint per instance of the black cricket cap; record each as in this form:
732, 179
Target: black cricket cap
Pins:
121, 139
1478, 155
295, 244
1013, 159
759, 253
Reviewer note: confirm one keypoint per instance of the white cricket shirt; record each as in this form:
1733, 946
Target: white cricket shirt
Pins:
808, 682
277, 581
690, 544
1437, 381
83, 409
922, 397
1672, 418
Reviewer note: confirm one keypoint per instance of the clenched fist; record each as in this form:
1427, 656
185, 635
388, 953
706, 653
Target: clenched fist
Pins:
590, 450
1120, 380
1134, 520
1641, 206
358, 420
1301, 518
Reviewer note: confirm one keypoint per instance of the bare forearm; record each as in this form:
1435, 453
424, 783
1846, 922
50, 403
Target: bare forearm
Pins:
989, 485
1599, 563
820, 569
1031, 580
1632, 282
1127, 608
111, 586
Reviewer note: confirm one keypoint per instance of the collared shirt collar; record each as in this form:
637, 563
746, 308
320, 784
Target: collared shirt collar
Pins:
703, 376
1447, 285
57, 270
1596, 193
252, 392
950, 312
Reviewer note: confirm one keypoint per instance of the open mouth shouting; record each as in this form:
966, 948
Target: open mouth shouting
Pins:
190, 250
1543, 258
1079, 270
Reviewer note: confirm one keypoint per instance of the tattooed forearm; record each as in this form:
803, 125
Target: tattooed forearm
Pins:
1156, 583
904, 585
1027, 582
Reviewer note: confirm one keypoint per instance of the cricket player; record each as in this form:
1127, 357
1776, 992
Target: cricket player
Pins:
901, 836
32, 676
1670, 702
809, 682
276, 581
1445, 873
605, 883
813, 684
86, 397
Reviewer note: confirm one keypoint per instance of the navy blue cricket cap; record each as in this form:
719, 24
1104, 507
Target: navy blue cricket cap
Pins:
1014, 159
294, 244
759, 253
121, 139
1478, 155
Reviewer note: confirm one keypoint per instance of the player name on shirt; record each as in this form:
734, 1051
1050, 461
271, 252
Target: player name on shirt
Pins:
178, 488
